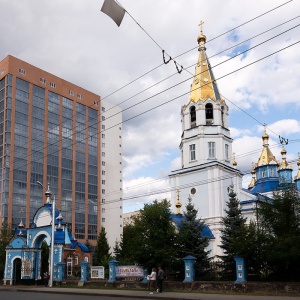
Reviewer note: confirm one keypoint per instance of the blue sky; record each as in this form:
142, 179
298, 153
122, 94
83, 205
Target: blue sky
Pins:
74, 40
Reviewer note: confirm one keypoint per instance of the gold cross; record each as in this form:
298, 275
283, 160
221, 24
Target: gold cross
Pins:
177, 191
200, 24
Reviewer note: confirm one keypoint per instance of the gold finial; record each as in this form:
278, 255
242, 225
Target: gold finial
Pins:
201, 38
234, 163
298, 164
178, 204
253, 180
200, 25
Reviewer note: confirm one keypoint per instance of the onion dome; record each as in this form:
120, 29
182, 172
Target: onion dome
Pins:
266, 157
253, 180
298, 164
178, 203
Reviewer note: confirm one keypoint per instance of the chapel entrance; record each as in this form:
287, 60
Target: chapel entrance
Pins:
17, 271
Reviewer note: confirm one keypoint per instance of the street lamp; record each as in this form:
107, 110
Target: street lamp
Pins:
48, 194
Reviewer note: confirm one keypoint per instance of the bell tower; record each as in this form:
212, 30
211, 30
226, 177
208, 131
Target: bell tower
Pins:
205, 133
206, 149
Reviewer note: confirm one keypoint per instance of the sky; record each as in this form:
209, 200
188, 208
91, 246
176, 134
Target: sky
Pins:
74, 40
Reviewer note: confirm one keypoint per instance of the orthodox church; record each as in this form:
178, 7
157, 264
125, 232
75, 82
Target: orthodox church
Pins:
208, 166
23, 262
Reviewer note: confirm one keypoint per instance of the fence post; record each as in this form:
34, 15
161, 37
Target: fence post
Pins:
189, 269
112, 264
241, 275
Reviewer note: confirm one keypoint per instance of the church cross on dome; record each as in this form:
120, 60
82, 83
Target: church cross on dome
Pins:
200, 25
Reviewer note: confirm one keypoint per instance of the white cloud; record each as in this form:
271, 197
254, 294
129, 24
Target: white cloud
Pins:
74, 40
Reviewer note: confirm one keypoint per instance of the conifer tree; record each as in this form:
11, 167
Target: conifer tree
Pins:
101, 255
190, 240
280, 221
5, 237
233, 233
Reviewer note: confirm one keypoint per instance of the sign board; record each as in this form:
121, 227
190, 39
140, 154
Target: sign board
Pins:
97, 272
129, 271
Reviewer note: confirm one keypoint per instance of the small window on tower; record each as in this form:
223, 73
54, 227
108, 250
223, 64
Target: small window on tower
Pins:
209, 114
192, 152
193, 116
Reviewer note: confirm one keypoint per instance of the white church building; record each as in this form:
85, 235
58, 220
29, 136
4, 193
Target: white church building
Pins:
208, 165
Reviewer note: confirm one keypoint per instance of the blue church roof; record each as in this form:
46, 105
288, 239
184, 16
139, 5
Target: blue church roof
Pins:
206, 232
265, 185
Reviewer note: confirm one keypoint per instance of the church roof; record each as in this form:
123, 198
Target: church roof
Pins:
206, 232
266, 157
204, 85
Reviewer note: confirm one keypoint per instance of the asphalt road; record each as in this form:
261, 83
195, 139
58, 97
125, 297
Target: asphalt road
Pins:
40, 293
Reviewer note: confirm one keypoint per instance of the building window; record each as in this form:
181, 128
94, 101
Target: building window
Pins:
79, 96
103, 210
103, 172
103, 191
86, 259
103, 201
103, 154
71, 93
192, 152
226, 152
103, 163
272, 172
52, 84
42, 80
193, 116
69, 265
209, 114
120, 128
103, 118
103, 181
103, 220
22, 71
103, 135
103, 127
76, 260
95, 103
211, 149
103, 108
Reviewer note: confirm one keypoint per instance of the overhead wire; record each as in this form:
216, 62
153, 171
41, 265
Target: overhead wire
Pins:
285, 3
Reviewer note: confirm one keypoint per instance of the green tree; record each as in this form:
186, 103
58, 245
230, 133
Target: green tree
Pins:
149, 240
125, 250
102, 254
44, 257
233, 237
280, 221
5, 237
190, 240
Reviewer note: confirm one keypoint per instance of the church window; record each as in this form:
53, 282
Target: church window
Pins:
192, 152
193, 116
69, 265
211, 149
209, 114
272, 173
76, 260
222, 115
193, 191
263, 173
226, 152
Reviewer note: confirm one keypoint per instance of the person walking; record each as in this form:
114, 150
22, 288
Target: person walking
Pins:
160, 279
152, 278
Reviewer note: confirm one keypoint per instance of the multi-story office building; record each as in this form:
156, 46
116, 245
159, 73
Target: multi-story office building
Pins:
111, 171
51, 131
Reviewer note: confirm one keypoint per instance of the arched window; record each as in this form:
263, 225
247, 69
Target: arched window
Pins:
209, 114
69, 265
193, 116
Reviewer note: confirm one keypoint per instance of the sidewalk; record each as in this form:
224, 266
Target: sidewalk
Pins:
142, 294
